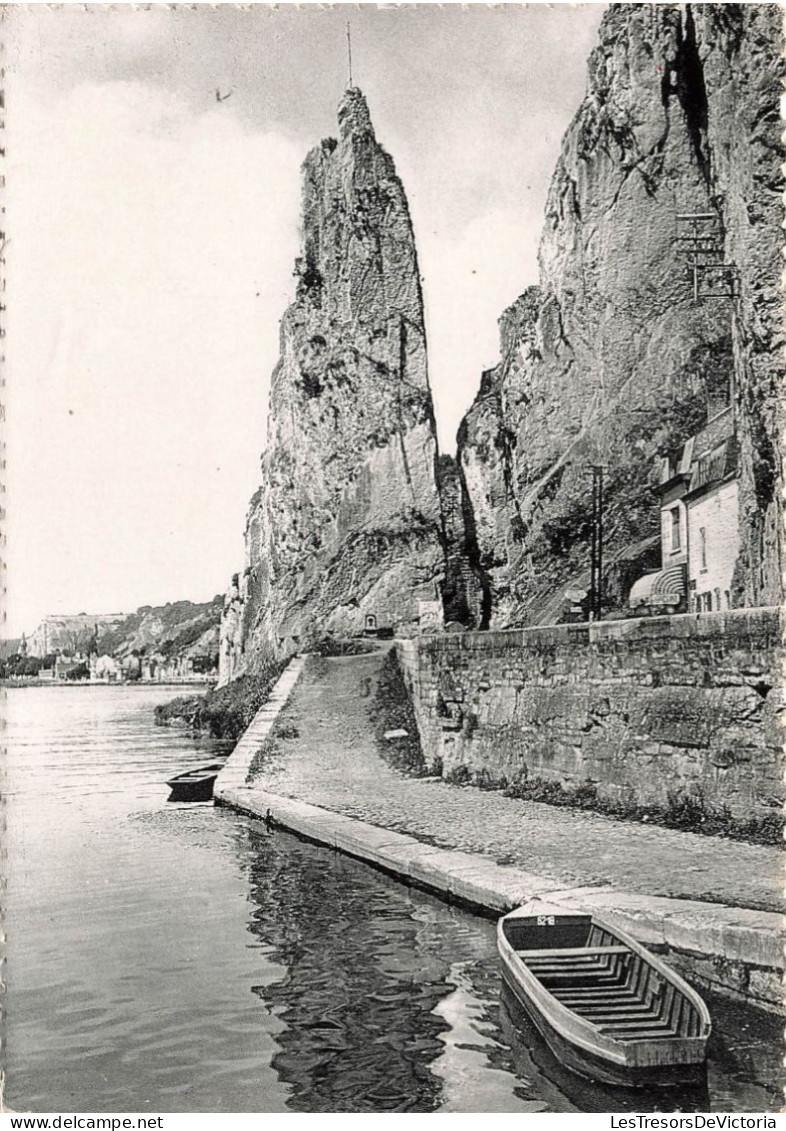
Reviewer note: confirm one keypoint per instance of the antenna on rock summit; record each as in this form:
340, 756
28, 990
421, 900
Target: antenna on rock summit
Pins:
349, 54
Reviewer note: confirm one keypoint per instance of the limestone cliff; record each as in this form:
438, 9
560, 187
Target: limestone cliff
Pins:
611, 358
347, 522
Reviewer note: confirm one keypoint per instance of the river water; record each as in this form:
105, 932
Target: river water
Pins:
176, 958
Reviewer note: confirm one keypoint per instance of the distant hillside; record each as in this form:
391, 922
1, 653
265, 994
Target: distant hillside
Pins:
180, 628
175, 630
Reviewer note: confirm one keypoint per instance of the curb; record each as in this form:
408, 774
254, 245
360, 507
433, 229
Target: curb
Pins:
735, 951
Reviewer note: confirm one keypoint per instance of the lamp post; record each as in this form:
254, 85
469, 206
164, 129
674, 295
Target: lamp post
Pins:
598, 512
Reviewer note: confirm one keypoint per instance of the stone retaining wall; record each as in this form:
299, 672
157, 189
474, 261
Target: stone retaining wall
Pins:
644, 709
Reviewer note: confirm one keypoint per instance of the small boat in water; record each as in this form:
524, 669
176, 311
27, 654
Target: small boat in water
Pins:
194, 785
606, 1007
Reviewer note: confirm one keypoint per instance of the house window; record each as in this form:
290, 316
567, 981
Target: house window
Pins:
703, 547
676, 541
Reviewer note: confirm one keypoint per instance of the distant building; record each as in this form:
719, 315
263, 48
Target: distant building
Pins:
699, 525
159, 668
105, 669
64, 666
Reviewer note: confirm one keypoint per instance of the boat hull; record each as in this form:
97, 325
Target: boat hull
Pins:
535, 1058
606, 1007
194, 785
596, 1067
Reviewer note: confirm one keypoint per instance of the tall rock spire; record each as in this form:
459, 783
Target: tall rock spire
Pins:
346, 524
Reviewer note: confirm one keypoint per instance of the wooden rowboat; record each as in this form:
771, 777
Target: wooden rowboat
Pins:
194, 785
607, 1008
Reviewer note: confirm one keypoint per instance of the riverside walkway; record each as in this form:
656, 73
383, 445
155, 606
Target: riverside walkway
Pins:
708, 897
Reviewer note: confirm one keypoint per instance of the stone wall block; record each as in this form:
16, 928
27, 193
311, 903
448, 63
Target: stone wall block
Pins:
572, 707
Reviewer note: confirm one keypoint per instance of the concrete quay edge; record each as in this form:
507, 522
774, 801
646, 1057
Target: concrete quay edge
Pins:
731, 948
234, 770
708, 929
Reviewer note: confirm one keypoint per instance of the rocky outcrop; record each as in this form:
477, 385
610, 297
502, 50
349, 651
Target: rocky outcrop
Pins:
487, 458
610, 360
347, 522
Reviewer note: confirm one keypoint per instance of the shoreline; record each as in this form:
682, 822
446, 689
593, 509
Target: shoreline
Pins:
733, 950
6, 684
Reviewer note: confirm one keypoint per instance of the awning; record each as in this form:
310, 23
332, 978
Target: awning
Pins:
667, 587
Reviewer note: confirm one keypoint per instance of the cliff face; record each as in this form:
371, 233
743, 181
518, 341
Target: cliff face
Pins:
739, 47
347, 522
610, 360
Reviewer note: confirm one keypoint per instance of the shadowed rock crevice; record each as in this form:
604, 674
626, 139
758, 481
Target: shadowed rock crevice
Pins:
692, 92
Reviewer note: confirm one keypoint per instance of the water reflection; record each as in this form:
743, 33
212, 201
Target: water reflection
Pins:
392, 1001
181, 958
745, 1066
360, 987
475, 1065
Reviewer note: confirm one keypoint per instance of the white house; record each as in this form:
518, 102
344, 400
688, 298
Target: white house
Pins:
699, 525
105, 669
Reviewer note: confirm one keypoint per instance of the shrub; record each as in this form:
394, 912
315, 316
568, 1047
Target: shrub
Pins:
391, 709
458, 775
227, 711
262, 757
485, 780
688, 812
341, 646
81, 671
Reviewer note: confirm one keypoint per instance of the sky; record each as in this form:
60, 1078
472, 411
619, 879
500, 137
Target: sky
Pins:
152, 232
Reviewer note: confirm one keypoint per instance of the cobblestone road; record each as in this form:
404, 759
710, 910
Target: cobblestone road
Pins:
334, 762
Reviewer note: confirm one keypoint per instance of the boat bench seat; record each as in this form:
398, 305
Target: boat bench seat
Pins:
572, 952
